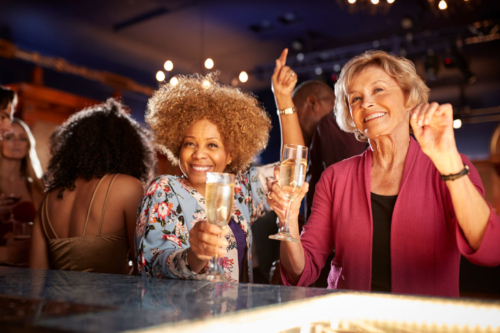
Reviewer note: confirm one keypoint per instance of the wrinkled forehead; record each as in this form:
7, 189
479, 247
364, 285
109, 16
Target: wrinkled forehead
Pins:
366, 76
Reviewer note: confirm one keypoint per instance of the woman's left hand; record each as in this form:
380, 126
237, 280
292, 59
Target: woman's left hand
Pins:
433, 128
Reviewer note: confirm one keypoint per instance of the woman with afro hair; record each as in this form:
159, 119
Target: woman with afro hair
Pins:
204, 126
101, 161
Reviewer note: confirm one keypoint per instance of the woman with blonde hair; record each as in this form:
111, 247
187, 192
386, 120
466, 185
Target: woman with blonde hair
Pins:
400, 215
20, 170
204, 126
21, 189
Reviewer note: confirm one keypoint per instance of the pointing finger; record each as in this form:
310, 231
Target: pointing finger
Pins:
283, 57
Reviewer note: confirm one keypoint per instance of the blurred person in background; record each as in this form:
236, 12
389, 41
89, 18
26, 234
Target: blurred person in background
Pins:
8, 102
204, 126
20, 182
101, 159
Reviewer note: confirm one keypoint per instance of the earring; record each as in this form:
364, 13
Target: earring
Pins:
229, 162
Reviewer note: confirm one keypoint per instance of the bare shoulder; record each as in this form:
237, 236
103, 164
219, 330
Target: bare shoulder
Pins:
128, 186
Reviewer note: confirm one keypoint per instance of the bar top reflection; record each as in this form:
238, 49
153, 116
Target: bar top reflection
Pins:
92, 302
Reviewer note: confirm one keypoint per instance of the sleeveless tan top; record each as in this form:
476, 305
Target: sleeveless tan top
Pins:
98, 253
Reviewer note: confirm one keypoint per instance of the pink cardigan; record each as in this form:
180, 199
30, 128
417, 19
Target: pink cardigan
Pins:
426, 241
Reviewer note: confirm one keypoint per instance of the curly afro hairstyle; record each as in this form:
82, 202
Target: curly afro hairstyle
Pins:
242, 122
96, 141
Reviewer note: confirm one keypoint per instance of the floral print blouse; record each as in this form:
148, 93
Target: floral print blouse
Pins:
171, 207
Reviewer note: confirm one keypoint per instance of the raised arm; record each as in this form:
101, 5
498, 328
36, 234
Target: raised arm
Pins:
433, 128
284, 80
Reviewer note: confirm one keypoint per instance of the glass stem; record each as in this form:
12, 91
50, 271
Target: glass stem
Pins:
286, 229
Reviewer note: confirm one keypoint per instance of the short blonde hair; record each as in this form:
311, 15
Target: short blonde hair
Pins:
243, 124
400, 69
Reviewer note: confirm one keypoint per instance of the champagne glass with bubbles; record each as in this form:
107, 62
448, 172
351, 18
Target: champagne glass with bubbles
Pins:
219, 195
292, 176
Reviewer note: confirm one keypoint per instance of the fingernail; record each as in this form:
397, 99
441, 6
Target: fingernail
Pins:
420, 122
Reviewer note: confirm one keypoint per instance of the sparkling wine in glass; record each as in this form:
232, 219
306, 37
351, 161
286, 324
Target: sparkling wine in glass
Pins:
219, 196
292, 175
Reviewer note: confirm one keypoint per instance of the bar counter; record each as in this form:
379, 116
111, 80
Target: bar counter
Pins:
59, 301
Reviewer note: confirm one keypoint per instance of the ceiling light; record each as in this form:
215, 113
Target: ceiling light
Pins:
160, 76
352, 1
300, 56
457, 123
243, 76
375, 2
390, 1
174, 81
168, 65
206, 84
442, 5
318, 71
209, 63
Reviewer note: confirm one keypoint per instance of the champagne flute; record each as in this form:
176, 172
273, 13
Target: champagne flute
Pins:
292, 176
219, 195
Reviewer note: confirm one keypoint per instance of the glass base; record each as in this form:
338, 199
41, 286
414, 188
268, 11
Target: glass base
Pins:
216, 277
284, 236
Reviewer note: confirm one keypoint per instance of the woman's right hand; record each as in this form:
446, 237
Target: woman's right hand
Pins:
279, 201
207, 240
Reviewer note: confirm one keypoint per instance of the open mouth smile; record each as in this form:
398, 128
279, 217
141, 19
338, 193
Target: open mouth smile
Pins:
200, 168
374, 116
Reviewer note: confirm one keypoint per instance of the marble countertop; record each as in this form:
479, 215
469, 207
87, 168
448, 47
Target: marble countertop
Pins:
50, 300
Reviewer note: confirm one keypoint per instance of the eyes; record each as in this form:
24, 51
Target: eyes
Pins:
190, 144
10, 137
357, 98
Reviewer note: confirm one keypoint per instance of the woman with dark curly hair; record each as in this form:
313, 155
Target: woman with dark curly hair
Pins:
101, 159
203, 127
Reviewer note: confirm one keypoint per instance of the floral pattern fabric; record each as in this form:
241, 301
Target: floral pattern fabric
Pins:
171, 207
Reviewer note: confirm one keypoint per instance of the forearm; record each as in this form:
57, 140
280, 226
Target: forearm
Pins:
292, 256
289, 123
471, 210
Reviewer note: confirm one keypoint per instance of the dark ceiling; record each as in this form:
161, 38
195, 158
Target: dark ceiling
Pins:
135, 37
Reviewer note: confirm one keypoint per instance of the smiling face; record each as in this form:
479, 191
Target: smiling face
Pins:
377, 103
15, 144
202, 151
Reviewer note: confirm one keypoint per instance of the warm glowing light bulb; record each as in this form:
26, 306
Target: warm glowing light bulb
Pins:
168, 65
209, 63
174, 81
375, 2
243, 76
160, 76
457, 123
352, 1
390, 1
443, 5
206, 84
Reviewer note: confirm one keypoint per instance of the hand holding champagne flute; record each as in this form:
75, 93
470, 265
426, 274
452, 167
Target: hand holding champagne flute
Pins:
292, 176
219, 197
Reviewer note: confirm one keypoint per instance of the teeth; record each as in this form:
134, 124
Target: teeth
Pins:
201, 168
375, 115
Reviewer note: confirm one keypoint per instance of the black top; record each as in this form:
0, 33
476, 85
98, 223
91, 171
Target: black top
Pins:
382, 208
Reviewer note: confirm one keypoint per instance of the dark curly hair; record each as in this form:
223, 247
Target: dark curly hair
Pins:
96, 141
